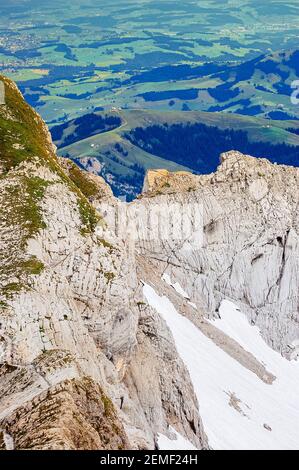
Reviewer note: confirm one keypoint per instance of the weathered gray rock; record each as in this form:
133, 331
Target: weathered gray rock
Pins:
85, 363
71, 322
250, 249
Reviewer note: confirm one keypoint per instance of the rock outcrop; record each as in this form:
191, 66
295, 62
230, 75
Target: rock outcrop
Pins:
249, 251
77, 345
85, 362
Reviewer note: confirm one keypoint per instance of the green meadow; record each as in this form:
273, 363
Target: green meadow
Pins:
75, 56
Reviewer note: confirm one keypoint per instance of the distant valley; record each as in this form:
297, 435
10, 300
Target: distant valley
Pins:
202, 56
129, 86
175, 141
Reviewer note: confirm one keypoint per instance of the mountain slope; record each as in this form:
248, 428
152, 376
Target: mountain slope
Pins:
239, 410
249, 250
71, 317
176, 141
262, 86
96, 295
230, 295
259, 87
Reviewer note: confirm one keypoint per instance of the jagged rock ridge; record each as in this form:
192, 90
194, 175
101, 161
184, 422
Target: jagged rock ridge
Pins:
250, 250
82, 352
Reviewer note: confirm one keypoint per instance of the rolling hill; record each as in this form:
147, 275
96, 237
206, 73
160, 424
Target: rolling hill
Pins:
259, 87
172, 140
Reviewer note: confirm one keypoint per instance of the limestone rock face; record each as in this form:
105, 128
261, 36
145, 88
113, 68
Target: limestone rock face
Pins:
249, 251
85, 362
76, 346
157, 181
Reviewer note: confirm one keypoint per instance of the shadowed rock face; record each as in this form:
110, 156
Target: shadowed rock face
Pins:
75, 414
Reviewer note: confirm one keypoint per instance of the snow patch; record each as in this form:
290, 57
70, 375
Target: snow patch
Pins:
239, 411
177, 287
235, 324
193, 305
8, 440
180, 443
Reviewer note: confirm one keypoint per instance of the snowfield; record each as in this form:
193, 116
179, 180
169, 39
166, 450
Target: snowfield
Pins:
180, 443
177, 287
239, 411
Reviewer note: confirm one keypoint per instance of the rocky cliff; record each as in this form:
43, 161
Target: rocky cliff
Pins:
74, 329
249, 250
86, 361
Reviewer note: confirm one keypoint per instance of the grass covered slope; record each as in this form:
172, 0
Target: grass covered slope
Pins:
28, 167
23, 134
